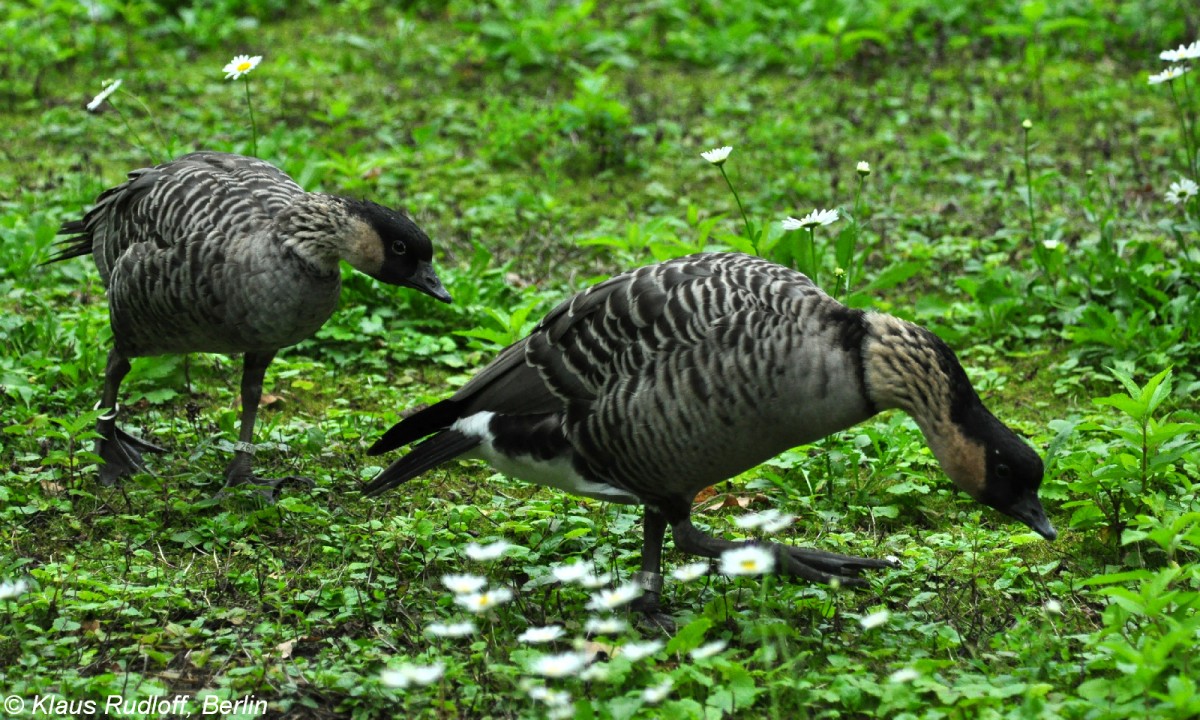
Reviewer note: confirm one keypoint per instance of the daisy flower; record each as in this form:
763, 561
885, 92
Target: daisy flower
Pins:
414, 675
463, 584
615, 598
571, 573
708, 649
110, 87
1183, 52
483, 601
607, 625
657, 693
561, 665
904, 675
1053, 607
541, 634
475, 551
811, 220
9, 590
717, 156
874, 620
458, 629
769, 521
240, 65
863, 168
592, 582
550, 698
747, 560
1181, 191
635, 651
1168, 75
690, 572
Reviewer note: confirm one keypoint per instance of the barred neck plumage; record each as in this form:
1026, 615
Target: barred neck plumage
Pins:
320, 230
906, 367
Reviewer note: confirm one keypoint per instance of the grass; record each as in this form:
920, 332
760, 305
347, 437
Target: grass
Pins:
544, 146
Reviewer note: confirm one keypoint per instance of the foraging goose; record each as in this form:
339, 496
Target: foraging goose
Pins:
215, 252
659, 382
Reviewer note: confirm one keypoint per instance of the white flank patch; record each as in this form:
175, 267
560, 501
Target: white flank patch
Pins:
556, 472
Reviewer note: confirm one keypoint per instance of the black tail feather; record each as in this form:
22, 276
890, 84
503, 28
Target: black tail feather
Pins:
426, 456
416, 426
71, 247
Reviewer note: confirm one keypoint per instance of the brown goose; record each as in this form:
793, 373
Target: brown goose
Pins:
215, 252
659, 382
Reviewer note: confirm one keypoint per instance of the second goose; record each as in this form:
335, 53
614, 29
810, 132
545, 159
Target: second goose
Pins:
659, 382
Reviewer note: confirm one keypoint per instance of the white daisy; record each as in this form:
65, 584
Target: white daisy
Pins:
483, 553
657, 693
635, 651
109, 88
717, 156
592, 582
1183, 52
571, 573
769, 521
747, 560
607, 625
708, 649
1168, 75
546, 634
690, 572
414, 675
611, 599
1053, 607
560, 665
463, 584
240, 65
1027, 124
458, 629
863, 168
1181, 191
874, 620
550, 698
811, 220
9, 590
483, 601
904, 675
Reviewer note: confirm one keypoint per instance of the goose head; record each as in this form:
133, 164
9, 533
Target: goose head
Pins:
388, 246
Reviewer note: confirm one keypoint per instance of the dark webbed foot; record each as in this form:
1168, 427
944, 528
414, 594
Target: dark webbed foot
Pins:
120, 451
239, 473
816, 565
650, 613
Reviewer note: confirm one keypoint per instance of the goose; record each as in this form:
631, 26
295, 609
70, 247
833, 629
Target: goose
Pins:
659, 382
215, 252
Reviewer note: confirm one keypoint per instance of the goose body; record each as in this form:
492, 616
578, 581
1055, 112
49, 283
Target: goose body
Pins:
214, 252
661, 381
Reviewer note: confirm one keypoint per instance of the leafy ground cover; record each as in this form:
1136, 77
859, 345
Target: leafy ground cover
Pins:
544, 145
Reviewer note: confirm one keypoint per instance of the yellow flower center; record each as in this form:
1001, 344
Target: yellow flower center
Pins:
749, 564
244, 66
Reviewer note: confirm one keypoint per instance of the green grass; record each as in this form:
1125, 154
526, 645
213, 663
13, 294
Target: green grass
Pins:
544, 146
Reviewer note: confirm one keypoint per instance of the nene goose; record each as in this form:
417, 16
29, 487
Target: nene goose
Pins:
223, 253
659, 382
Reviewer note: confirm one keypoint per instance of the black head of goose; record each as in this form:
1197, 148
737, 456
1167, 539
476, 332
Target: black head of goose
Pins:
214, 252
661, 381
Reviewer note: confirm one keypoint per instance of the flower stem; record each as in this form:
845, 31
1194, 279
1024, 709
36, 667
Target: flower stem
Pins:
129, 127
1187, 127
253, 124
749, 233
812, 254
1038, 249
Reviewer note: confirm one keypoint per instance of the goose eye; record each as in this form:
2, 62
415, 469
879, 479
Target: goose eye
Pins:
398, 247
1002, 472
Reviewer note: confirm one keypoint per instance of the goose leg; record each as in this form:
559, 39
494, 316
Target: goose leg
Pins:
654, 527
254, 369
121, 452
815, 565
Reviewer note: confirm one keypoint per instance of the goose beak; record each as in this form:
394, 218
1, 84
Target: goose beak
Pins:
1028, 509
427, 281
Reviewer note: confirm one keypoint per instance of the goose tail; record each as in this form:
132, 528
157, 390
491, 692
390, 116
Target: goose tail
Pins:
426, 456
